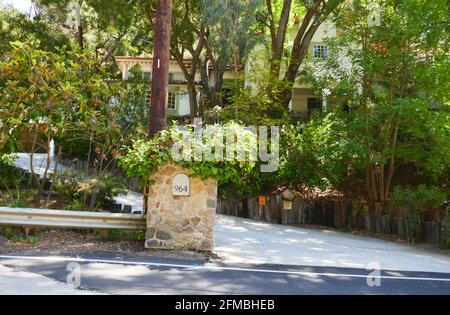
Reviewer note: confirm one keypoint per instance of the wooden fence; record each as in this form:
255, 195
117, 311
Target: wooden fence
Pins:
330, 213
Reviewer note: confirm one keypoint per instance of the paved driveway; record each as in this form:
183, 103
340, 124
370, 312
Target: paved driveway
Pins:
246, 241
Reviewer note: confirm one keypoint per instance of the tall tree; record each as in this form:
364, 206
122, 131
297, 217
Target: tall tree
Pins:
16, 26
315, 13
396, 83
189, 36
232, 34
97, 25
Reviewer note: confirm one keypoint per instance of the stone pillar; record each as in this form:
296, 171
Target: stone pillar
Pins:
181, 222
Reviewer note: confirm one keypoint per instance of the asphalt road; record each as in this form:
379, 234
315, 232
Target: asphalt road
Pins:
107, 273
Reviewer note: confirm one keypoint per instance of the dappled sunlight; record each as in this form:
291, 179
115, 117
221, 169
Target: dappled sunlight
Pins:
108, 271
257, 242
35, 284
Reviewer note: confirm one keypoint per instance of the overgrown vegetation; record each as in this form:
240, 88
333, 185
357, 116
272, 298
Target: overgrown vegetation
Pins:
144, 158
83, 193
414, 202
390, 128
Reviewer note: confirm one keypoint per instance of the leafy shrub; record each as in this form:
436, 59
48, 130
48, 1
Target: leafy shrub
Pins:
139, 235
9, 177
317, 153
77, 205
13, 198
113, 235
84, 193
414, 202
32, 239
11, 233
144, 158
420, 199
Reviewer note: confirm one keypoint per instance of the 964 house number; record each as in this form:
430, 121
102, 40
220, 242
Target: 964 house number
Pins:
183, 189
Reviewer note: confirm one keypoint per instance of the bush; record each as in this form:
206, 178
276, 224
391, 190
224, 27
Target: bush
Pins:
414, 202
317, 153
420, 199
84, 193
9, 177
144, 158
139, 235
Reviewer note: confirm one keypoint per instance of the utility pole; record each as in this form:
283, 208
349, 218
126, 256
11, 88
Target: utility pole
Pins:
160, 73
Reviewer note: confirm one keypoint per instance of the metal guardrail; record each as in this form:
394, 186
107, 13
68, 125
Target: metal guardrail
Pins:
70, 219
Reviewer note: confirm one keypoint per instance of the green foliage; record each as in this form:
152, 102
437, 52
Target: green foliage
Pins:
65, 92
257, 105
82, 193
106, 27
17, 235
300, 154
144, 158
12, 235
8, 173
16, 26
420, 199
10, 232
139, 235
233, 25
318, 153
394, 80
113, 235
422, 138
14, 198
416, 201
322, 151
32, 239
133, 111
77, 205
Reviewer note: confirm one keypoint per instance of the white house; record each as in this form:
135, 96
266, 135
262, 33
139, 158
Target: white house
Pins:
304, 100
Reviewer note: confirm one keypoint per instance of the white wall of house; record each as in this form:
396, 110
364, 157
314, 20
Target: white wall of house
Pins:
183, 104
256, 63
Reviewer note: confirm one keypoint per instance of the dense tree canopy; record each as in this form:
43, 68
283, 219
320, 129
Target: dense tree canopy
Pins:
389, 65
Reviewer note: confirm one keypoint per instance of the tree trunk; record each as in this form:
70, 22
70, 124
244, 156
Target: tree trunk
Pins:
299, 52
161, 55
218, 86
79, 25
391, 164
192, 92
319, 10
278, 35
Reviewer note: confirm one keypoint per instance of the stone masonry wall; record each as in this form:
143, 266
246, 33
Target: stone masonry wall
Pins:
181, 222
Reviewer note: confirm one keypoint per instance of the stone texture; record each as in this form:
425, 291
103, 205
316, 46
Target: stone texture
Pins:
181, 222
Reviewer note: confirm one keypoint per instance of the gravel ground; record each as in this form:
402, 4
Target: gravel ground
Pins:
66, 242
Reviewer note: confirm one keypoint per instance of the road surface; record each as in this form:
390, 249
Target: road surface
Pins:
106, 273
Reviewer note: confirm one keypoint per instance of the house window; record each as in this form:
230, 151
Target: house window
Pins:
314, 104
172, 102
320, 51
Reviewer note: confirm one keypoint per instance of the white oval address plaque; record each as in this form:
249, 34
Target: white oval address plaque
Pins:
180, 186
